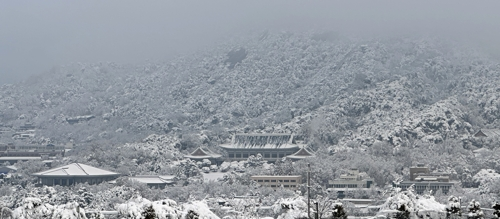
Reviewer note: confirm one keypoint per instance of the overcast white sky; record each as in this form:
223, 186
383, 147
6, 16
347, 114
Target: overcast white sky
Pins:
36, 35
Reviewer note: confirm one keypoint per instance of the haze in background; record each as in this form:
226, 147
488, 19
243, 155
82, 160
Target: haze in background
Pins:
37, 35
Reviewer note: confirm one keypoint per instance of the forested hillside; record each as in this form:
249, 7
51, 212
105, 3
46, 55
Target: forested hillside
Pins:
334, 91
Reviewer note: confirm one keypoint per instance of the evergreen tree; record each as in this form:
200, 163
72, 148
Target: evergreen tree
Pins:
475, 211
403, 213
496, 207
149, 212
453, 209
192, 215
339, 212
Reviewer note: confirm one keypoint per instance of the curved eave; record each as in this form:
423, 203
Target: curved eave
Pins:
260, 147
299, 157
202, 157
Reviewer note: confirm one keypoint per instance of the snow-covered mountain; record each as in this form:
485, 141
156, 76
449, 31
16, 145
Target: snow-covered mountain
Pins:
332, 90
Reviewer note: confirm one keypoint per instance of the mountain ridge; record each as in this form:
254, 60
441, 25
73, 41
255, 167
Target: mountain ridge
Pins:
285, 82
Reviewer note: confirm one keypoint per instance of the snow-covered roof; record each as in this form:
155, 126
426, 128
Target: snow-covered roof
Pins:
201, 153
6, 169
261, 141
76, 169
12, 167
19, 158
153, 179
488, 133
301, 154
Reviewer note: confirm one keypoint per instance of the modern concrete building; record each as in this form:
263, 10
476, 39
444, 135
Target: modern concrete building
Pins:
289, 182
74, 173
422, 179
352, 179
271, 146
31, 150
420, 169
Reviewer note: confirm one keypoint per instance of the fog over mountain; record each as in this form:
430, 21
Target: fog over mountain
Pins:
36, 36
334, 90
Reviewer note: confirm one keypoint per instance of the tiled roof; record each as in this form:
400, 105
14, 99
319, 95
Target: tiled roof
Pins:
153, 179
301, 154
488, 133
76, 169
201, 153
261, 141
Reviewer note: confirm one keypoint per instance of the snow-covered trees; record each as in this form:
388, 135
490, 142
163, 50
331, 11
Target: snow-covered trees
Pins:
475, 211
187, 171
140, 208
487, 179
453, 208
32, 208
70, 210
404, 203
36, 208
385, 87
290, 208
496, 209
338, 211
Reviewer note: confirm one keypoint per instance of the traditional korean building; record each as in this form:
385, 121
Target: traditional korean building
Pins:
301, 154
154, 181
200, 153
271, 146
487, 133
74, 173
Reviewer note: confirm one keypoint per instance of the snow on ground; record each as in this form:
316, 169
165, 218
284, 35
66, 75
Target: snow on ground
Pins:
215, 176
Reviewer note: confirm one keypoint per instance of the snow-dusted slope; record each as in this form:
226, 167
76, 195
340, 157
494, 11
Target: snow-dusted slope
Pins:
332, 91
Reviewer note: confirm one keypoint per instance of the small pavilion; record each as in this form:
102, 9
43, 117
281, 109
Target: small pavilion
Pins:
203, 153
301, 154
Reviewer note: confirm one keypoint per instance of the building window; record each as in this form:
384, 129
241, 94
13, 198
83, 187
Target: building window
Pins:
266, 180
231, 155
273, 180
293, 180
238, 155
286, 186
266, 155
274, 155
282, 155
286, 180
273, 185
245, 155
260, 180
